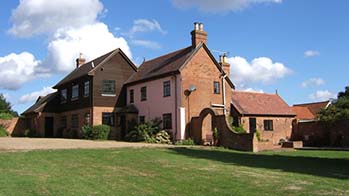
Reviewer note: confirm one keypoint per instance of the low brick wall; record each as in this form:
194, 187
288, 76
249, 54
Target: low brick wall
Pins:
15, 126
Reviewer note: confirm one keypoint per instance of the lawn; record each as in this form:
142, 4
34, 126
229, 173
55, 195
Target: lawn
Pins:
173, 171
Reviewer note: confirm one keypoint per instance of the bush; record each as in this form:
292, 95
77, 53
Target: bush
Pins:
163, 138
258, 135
240, 129
29, 133
188, 142
97, 132
3, 132
145, 132
6, 116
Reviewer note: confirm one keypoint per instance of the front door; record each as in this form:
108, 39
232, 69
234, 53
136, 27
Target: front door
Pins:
252, 125
48, 126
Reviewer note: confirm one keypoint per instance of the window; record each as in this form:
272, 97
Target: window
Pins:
108, 118
132, 94
87, 89
63, 124
141, 119
216, 88
144, 93
63, 95
75, 121
75, 92
108, 87
167, 121
268, 125
167, 88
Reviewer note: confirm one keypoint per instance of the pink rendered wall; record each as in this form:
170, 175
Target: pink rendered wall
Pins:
156, 104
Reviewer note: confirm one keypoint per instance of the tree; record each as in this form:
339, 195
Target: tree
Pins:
5, 106
338, 110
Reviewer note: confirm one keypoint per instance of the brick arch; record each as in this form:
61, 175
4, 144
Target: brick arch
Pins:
200, 128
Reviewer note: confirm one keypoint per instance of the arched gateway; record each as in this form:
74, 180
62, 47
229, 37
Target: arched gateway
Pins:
202, 127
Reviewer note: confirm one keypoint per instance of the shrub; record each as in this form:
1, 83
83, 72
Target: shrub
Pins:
215, 133
29, 133
97, 132
144, 132
240, 129
3, 132
6, 116
258, 135
163, 138
188, 142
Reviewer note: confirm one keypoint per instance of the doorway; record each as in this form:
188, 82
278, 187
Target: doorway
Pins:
252, 125
48, 126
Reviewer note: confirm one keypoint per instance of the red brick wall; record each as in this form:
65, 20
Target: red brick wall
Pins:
317, 133
202, 72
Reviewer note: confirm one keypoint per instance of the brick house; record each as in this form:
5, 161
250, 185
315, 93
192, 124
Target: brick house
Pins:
267, 113
93, 94
188, 89
177, 86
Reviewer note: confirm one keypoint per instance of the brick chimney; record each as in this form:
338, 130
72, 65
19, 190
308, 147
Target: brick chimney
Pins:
198, 34
80, 61
224, 63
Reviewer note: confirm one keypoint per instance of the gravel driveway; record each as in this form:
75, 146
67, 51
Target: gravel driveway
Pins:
20, 144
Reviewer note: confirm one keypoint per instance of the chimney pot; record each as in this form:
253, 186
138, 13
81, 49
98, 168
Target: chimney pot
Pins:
196, 26
198, 34
80, 61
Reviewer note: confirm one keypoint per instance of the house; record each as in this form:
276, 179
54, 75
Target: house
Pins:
177, 86
268, 114
93, 93
308, 111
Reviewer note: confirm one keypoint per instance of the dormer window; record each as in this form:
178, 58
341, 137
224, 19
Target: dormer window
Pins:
75, 92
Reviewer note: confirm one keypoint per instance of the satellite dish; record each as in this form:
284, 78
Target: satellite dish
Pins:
192, 88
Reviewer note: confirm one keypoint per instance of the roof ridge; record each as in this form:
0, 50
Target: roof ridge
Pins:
253, 92
311, 103
174, 51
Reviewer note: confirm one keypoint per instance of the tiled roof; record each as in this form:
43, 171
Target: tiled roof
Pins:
90, 66
162, 65
309, 110
303, 113
40, 103
169, 64
251, 103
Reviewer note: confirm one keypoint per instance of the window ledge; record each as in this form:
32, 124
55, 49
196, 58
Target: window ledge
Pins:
108, 95
74, 99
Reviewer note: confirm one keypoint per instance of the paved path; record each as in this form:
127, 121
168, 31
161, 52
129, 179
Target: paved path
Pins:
24, 144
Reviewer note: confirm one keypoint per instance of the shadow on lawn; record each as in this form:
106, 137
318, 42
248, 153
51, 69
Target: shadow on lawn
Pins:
324, 167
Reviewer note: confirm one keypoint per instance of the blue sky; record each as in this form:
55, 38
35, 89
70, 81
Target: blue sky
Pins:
297, 47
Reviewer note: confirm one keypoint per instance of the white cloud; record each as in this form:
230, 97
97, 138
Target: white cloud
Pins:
33, 96
311, 53
261, 69
253, 90
322, 95
145, 25
16, 69
219, 5
33, 17
147, 44
91, 40
71, 27
313, 82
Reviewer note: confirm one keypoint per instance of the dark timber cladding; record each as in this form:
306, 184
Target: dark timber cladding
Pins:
116, 69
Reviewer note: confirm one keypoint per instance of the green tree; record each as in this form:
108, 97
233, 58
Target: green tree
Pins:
5, 106
338, 110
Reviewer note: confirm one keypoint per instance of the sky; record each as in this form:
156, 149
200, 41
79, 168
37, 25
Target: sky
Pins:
296, 47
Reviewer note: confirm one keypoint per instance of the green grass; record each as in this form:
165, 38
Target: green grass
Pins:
177, 171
